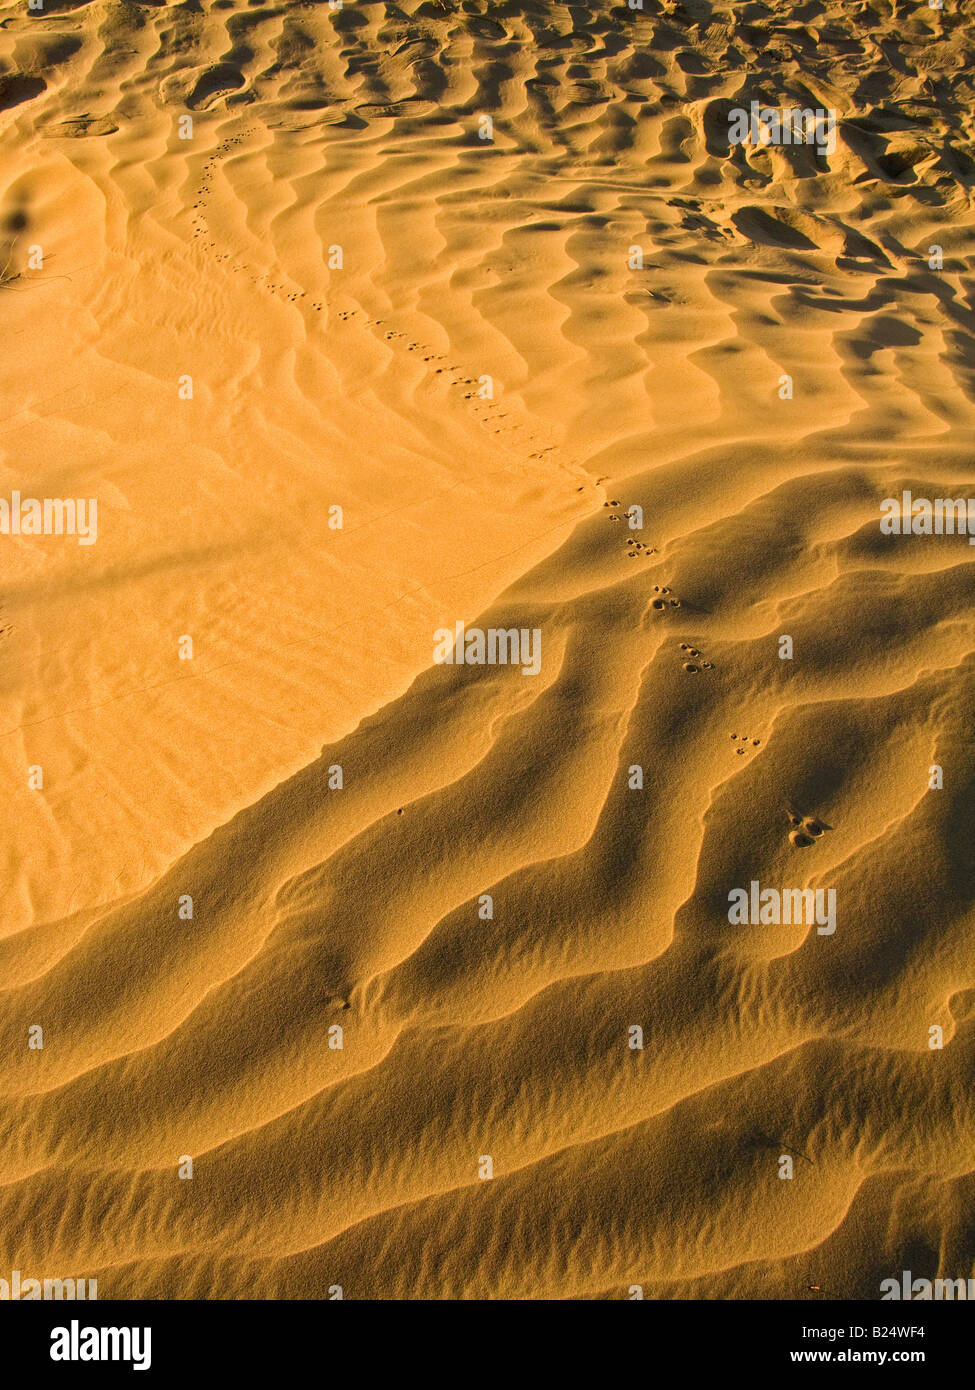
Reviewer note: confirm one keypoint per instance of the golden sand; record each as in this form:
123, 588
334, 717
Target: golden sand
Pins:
486, 278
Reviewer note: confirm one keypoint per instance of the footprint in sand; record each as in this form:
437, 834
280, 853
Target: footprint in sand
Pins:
521, 435
637, 549
806, 830
659, 604
665, 600
694, 664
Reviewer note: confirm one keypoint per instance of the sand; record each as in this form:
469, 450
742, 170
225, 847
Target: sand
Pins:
263, 264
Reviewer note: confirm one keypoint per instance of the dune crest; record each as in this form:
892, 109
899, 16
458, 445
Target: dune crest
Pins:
365, 322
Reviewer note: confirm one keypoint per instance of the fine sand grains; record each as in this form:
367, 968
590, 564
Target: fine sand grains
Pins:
362, 323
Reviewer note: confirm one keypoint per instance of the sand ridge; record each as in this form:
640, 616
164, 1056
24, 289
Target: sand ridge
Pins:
634, 290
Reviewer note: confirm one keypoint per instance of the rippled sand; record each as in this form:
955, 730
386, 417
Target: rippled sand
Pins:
338, 261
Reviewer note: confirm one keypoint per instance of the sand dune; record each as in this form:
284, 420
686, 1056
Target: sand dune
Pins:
263, 264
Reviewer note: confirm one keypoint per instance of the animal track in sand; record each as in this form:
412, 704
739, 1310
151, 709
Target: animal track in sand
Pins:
523, 434
806, 830
635, 549
744, 741
638, 549
695, 664
664, 601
